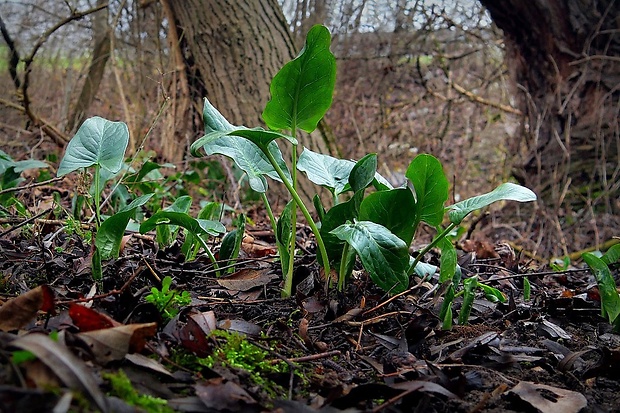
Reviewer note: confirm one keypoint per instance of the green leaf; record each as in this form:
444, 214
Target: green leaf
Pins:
505, 192
610, 300
333, 173
325, 170
394, 209
111, 231
469, 287
446, 307
492, 294
301, 92
363, 173
336, 216
246, 154
383, 254
167, 233
214, 120
231, 243
97, 142
447, 265
527, 289
195, 226
612, 255
431, 188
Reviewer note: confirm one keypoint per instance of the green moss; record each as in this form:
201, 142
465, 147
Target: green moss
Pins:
123, 389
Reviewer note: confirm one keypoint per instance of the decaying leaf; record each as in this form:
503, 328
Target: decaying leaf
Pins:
70, 370
221, 395
114, 343
247, 279
19, 311
549, 399
87, 319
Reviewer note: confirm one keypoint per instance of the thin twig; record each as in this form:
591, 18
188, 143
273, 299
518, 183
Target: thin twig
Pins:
30, 186
29, 220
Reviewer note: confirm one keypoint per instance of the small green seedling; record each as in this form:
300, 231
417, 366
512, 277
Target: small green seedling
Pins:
610, 299
167, 300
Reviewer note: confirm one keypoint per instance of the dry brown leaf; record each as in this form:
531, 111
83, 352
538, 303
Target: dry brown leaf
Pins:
66, 366
247, 279
19, 311
114, 343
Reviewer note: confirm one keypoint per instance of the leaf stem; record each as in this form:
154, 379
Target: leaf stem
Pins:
272, 218
97, 183
426, 249
319, 240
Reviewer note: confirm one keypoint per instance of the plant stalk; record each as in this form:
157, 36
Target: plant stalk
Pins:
426, 249
319, 240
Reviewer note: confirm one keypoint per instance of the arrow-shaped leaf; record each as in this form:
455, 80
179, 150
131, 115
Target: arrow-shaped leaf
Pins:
505, 192
301, 92
97, 142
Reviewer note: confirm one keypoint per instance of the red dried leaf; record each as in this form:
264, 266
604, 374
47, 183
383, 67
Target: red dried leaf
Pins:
87, 319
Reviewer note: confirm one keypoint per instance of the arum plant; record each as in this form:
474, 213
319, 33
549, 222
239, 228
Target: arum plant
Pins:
301, 93
100, 144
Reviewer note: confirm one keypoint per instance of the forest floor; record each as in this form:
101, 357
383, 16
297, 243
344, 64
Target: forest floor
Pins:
356, 350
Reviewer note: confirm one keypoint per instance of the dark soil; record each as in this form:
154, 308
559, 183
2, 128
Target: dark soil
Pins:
358, 349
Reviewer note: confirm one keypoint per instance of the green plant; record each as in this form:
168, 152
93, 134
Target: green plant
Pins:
379, 227
10, 177
168, 300
122, 388
610, 299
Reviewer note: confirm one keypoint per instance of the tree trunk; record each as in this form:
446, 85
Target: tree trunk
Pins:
563, 55
235, 48
101, 55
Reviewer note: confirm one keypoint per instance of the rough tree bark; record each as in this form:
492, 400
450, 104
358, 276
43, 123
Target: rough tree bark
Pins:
233, 48
563, 55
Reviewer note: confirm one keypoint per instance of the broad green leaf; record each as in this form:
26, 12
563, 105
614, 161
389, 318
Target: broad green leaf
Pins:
246, 155
431, 188
97, 142
610, 300
333, 173
363, 173
195, 226
447, 264
612, 255
214, 120
469, 293
394, 209
325, 170
110, 233
301, 92
505, 192
383, 254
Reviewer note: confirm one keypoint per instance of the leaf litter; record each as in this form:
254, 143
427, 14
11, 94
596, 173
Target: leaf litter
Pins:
359, 350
